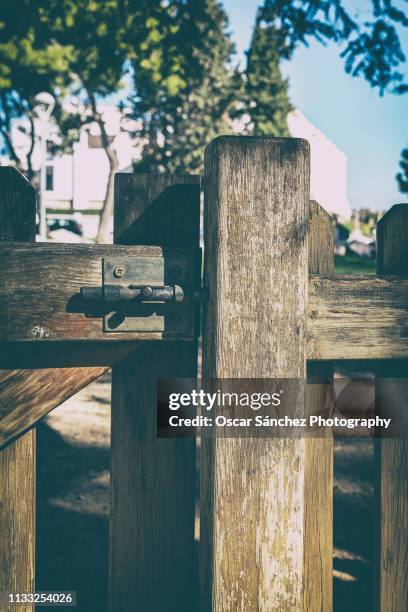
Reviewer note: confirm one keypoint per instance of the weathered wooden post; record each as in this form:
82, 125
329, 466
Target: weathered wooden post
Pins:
252, 494
152, 549
318, 498
17, 462
392, 454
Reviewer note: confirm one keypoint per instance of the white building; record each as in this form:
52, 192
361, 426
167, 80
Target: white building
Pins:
328, 172
76, 183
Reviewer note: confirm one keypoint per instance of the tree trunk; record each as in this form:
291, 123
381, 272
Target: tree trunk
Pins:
107, 208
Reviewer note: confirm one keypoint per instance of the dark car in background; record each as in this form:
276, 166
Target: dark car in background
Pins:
64, 228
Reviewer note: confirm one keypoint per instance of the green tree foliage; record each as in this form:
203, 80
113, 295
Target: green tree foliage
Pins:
179, 54
370, 47
265, 99
95, 33
70, 48
184, 83
29, 64
402, 176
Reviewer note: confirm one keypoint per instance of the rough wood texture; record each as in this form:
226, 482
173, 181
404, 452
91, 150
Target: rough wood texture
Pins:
392, 251
392, 455
252, 492
40, 299
318, 498
349, 317
357, 317
67, 354
24, 398
166, 205
28, 395
17, 462
152, 557
321, 240
17, 519
17, 210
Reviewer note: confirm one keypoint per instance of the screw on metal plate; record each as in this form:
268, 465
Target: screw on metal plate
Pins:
119, 271
145, 294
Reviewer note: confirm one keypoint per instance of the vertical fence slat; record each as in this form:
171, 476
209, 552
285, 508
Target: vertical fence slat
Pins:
152, 549
318, 549
17, 462
252, 521
321, 240
392, 454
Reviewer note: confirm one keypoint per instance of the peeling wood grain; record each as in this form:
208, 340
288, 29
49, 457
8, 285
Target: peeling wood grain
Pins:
358, 317
152, 548
17, 462
349, 317
18, 206
27, 395
40, 299
17, 519
318, 499
34, 356
25, 399
392, 455
321, 240
252, 491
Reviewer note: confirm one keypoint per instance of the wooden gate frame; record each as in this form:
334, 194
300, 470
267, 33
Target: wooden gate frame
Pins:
266, 520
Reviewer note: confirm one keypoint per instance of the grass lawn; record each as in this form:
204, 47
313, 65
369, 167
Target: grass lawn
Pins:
353, 265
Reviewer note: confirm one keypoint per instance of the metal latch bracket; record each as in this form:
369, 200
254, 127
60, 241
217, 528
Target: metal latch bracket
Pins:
146, 294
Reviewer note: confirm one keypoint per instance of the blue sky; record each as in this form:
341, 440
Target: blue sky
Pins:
369, 129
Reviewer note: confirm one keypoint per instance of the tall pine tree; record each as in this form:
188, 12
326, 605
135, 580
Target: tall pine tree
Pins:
265, 97
184, 83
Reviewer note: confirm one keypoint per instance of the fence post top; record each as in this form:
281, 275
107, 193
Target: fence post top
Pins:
396, 209
239, 140
316, 207
178, 178
12, 179
14, 174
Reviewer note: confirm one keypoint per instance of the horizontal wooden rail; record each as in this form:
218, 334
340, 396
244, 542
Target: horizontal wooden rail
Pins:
349, 317
40, 296
357, 317
28, 395
33, 356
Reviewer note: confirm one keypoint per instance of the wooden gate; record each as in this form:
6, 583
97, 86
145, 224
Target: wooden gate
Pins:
274, 307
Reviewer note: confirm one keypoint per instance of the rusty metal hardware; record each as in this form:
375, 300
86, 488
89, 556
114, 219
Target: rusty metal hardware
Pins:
140, 294
116, 295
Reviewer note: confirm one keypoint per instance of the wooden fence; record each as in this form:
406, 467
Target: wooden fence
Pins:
274, 307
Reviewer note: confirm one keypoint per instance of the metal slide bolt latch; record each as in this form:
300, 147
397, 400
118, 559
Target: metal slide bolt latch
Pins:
137, 294
114, 295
